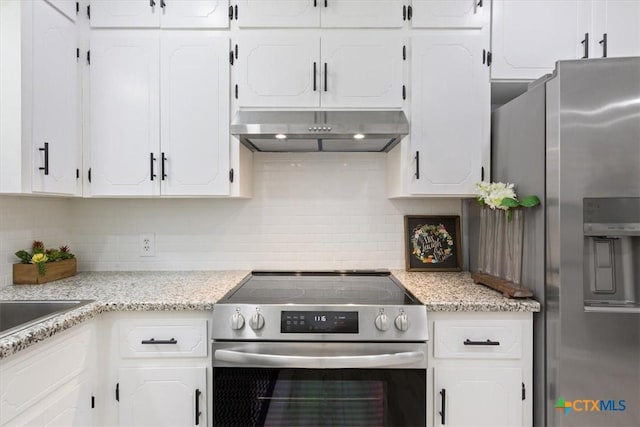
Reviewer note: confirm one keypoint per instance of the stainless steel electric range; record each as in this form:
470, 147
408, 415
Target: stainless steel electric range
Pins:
319, 348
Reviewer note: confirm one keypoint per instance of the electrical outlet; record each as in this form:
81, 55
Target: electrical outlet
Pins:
147, 244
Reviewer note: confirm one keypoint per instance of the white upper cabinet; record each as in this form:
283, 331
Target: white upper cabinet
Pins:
450, 13
616, 28
361, 13
450, 110
355, 70
139, 77
194, 73
525, 48
362, 70
278, 71
55, 101
316, 13
277, 13
125, 116
159, 13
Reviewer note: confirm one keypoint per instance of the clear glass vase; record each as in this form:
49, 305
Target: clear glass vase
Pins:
500, 243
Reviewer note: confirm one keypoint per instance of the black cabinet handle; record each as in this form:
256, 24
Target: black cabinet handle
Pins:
585, 42
315, 71
45, 168
162, 167
151, 160
325, 77
409, 13
315, 3
487, 342
162, 4
152, 3
198, 413
155, 341
443, 406
417, 164
326, 3
230, 13
479, 4
603, 42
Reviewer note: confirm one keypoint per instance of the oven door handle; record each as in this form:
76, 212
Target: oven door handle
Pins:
321, 362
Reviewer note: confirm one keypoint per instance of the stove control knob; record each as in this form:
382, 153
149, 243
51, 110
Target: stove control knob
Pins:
237, 321
256, 322
402, 322
382, 322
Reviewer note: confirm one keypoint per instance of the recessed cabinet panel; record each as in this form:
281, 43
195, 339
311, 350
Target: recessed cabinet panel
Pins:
195, 14
67, 7
450, 14
362, 14
278, 71
480, 396
124, 113
166, 396
450, 112
278, 13
620, 21
125, 13
195, 113
362, 70
522, 48
55, 101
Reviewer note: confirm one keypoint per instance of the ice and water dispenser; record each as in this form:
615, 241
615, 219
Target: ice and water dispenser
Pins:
612, 252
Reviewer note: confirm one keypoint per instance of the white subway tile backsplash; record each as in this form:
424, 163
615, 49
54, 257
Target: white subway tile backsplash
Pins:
308, 211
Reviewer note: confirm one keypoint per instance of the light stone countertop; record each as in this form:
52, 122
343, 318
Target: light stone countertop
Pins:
199, 290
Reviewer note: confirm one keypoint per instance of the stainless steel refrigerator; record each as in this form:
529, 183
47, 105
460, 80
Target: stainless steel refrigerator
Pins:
573, 139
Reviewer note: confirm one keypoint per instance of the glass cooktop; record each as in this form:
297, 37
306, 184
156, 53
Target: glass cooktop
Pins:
320, 287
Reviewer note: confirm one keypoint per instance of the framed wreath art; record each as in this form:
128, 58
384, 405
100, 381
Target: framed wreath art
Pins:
432, 243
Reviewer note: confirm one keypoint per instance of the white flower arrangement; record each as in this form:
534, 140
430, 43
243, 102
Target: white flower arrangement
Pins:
498, 195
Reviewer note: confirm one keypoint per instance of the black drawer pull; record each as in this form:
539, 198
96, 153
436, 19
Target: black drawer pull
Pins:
45, 168
155, 341
198, 412
487, 342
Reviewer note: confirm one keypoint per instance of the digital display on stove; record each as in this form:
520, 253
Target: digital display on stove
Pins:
319, 322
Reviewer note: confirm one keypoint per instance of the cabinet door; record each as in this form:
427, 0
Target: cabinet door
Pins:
195, 14
361, 14
125, 13
450, 112
524, 48
363, 70
278, 71
194, 69
278, 13
478, 396
167, 396
450, 13
620, 21
55, 101
125, 121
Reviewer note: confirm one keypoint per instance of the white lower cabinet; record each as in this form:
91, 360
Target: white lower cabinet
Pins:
157, 369
168, 396
482, 369
52, 383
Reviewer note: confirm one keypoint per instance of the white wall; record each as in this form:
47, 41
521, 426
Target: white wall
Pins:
25, 219
320, 210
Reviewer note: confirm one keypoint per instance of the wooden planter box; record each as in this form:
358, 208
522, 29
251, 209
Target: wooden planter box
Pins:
27, 274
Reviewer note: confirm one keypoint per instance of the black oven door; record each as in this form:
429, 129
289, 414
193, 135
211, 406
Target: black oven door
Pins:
319, 384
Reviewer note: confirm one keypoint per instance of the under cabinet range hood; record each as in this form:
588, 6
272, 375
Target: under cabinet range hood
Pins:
311, 131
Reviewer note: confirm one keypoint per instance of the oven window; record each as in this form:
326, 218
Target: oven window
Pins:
307, 397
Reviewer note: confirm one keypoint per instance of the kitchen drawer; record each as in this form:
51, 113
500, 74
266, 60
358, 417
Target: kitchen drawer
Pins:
163, 338
477, 339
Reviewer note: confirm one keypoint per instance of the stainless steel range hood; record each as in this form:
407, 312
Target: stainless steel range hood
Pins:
310, 131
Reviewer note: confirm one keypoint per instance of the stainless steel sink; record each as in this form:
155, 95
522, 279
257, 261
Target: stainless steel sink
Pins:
16, 315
